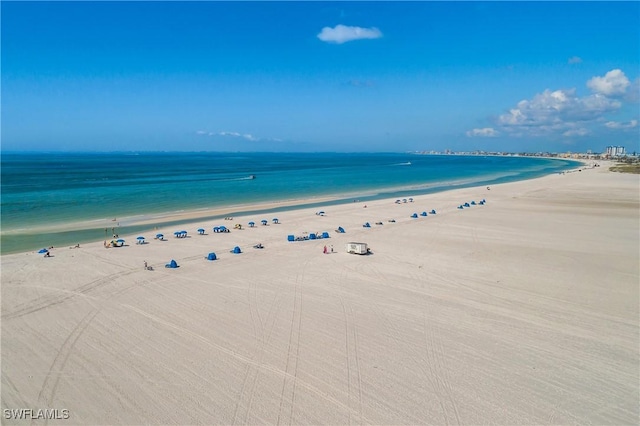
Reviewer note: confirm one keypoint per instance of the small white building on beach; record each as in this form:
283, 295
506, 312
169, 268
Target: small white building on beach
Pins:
357, 248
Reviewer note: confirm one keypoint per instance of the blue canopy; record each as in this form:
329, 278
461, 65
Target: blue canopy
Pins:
264, 221
44, 250
172, 264
275, 220
120, 241
236, 250
140, 238
433, 211
367, 225
415, 215
159, 235
312, 236
252, 224
325, 235
201, 230
423, 214
291, 238
341, 229
211, 256
177, 233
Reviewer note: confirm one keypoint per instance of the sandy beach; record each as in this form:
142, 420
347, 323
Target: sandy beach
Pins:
524, 310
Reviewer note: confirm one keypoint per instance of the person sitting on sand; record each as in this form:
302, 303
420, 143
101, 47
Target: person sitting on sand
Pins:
47, 254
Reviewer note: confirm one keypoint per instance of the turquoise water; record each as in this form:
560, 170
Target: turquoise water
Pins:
42, 192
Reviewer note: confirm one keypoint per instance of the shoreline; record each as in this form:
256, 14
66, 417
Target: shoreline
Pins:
79, 232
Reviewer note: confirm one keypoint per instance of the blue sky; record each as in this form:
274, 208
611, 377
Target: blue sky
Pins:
320, 76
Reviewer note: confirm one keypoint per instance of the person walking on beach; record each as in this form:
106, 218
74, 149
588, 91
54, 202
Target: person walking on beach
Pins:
332, 248
145, 265
325, 250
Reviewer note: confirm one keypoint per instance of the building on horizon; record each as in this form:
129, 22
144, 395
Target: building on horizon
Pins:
615, 151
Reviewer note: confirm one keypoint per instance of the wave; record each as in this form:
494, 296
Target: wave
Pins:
408, 163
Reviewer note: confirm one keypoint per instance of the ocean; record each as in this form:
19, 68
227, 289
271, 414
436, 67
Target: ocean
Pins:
66, 198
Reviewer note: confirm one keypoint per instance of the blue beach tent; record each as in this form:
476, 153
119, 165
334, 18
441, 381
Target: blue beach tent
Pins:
172, 264
159, 236
44, 250
325, 235
312, 236
341, 229
236, 250
211, 256
467, 205
291, 238
423, 214
366, 225
473, 203
415, 215
461, 207
432, 211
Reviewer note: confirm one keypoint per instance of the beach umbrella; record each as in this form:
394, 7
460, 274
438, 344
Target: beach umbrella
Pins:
176, 233
275, 220
140, 238
44, 250
264, 221
120, 241
252, 224
411, 200
211, 256
200, 231
161, 236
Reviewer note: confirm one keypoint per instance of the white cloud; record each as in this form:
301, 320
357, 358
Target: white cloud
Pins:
613, 83
555, 111
620, 125
486, 132
574, 60
246, 136
342, 34
563, 112
576, 132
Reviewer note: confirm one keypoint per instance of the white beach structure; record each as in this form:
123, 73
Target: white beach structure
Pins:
357, 248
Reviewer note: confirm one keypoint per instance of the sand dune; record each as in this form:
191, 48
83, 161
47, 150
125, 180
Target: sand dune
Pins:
521, 311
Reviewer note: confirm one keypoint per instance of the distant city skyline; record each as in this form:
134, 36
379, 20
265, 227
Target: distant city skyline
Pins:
320, 76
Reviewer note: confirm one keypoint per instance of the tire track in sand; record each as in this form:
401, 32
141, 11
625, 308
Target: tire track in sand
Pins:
252, 371
351, 349
296, 322
440, 385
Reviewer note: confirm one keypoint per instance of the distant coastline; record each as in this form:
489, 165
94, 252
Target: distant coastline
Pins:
151, 190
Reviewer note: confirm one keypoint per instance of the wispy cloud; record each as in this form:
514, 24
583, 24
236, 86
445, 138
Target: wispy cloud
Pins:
621, 125
361, 83
562, 112
342, 34
575, 60
486, 132
245, 136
